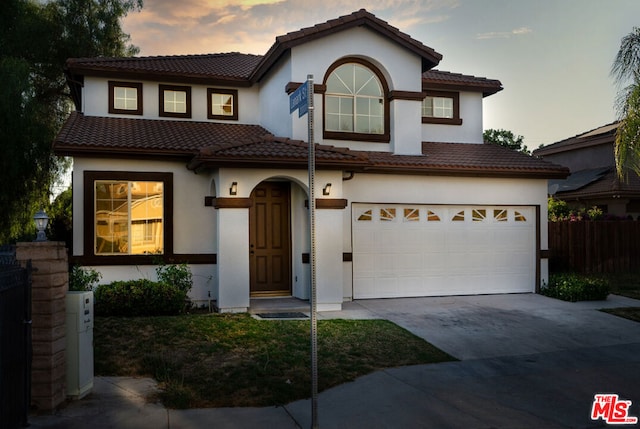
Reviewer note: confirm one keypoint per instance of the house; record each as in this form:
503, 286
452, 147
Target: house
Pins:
593, 180
409, 201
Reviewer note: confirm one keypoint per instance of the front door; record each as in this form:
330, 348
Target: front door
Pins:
270, 240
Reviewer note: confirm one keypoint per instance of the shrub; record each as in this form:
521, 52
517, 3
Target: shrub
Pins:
141, 297
576, 287
176, 275
83, 279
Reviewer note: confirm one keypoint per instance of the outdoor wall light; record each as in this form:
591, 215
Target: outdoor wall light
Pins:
42, 220
233, 190
327, 189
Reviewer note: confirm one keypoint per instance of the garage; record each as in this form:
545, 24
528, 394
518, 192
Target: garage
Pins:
434, 250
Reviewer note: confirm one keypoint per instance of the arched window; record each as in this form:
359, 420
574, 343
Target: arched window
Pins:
354, 103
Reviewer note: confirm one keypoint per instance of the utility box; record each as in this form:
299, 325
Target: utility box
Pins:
79, 329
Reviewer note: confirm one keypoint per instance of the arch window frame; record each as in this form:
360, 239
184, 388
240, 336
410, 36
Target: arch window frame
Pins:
385, 136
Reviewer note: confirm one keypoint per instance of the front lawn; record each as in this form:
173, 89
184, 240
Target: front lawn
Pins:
224, 360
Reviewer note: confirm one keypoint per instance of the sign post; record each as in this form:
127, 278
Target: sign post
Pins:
302, 100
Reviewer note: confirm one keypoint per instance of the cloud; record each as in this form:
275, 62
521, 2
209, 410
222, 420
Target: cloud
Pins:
167, 27
504, 34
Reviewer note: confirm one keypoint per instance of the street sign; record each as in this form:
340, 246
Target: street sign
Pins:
300, 100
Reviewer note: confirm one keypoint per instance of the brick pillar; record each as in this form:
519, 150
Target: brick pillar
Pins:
50, 284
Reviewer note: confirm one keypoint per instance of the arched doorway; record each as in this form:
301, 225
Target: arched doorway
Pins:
270, 239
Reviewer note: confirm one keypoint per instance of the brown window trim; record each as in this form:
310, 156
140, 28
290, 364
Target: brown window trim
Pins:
186, 89
339, 135
456, 120
233, 93
89, 257
137, 86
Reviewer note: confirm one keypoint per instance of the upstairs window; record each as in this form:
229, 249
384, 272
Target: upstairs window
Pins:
222, 104
175, 101
441, 108
125, 98
355, 107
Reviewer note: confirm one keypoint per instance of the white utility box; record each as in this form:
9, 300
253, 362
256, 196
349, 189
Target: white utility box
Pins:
79, 343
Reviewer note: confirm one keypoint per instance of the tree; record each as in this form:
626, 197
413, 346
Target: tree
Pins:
36, 38
626, 73
505, 138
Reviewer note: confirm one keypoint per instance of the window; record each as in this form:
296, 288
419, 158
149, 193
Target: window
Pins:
174, 101
125, 98
355, 107
127, 214
222, 104
441, 108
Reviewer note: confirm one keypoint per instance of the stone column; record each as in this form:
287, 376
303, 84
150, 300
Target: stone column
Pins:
50, 283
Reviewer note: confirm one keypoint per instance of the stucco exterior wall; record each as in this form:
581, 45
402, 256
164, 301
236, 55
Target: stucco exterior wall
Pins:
95, 101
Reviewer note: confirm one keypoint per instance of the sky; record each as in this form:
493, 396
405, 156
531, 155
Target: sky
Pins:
553, 57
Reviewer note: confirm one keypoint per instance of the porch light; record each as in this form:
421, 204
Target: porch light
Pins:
327, 189
42, 220
233, 190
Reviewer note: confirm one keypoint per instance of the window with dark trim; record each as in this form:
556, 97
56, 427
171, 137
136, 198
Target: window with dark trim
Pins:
174, 101
127, 215
356, 105
439, 107
125, 98
222, 104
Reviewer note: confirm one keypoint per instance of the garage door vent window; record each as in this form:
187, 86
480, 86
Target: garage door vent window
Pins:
411, 215
387, 214
478, 215
366, 216
458, 217
432, 217
500, 215
520, 217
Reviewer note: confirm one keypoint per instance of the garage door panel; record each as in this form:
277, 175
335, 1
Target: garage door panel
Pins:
442, 250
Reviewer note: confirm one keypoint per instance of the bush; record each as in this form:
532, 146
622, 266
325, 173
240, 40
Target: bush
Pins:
141, 297
83, 279
576, 287
176, 275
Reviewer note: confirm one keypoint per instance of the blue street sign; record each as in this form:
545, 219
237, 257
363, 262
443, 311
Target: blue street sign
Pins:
300, 100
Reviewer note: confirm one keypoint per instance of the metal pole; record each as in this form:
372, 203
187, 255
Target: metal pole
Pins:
312, 228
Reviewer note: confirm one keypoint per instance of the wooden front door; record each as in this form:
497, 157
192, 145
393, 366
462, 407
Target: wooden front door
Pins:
270, 239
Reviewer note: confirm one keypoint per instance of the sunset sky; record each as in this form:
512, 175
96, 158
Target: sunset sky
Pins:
552, 56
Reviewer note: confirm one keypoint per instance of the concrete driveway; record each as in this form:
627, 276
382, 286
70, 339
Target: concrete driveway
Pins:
485, 326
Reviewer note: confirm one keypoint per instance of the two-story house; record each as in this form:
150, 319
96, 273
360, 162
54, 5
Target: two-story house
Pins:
197, 159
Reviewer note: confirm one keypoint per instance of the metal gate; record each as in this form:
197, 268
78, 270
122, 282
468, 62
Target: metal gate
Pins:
15, 341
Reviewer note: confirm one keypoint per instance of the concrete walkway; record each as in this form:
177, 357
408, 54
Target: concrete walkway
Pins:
527, 361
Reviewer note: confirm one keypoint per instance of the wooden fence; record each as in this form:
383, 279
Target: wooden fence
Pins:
594, 246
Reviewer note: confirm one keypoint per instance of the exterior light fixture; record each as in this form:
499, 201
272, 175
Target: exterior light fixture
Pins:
327, 189
42, 220
233, 190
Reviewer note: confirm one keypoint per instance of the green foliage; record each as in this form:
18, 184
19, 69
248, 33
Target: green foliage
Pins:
36, 38
576, 287
176, 275
83, 279
557, 209
140, 297
61, 218
626, 73
505, 138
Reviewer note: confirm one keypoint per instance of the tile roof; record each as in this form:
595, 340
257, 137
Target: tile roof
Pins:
212, 145
93, 134
430, 57
232, 66
601, 135
607, 185
437, 79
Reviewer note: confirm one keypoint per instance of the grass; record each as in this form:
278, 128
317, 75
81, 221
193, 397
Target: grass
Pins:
627, 284
224, 360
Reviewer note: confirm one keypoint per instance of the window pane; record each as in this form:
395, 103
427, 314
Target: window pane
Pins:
222, 104
128, 217
175, 101
125, 98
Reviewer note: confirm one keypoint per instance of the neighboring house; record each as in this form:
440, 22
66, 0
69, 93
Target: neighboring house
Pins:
409, 200
593, 180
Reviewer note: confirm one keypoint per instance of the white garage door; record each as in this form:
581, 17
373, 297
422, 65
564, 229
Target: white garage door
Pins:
420, 250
